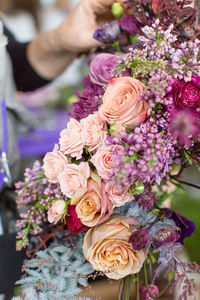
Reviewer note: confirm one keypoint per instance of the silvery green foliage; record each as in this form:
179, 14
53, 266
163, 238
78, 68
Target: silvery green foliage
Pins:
57, 273
132, 209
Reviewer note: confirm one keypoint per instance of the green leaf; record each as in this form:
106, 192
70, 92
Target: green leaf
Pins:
188, 158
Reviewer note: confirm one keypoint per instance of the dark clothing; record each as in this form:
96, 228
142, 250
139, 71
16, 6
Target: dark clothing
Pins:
25, 77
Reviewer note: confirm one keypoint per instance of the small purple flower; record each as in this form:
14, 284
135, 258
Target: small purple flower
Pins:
153, 290
102, 68
140, 239
109, 32
131, 25
187, 226
146, 200
184, 124
186, 94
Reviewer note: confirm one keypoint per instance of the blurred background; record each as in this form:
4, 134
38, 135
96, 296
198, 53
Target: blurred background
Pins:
49, 105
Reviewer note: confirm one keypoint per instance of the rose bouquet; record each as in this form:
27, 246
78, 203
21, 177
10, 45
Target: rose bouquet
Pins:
130, 136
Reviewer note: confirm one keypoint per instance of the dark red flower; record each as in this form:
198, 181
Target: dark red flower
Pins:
73, 223
186, 94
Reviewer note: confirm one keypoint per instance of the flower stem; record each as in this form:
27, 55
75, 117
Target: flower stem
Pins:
187, 183
121, 285
128, 287
146, 282
138, 287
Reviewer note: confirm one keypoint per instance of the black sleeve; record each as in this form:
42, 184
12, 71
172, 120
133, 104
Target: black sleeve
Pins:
26, 78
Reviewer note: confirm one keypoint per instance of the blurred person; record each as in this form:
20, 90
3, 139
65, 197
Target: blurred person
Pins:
29, 66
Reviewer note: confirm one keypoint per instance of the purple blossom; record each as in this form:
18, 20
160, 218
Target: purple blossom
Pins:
187, 226
140, 239
131, 25
102, 68
109, 33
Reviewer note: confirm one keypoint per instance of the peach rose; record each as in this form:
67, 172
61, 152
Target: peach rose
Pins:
118, 198
120, 102
103, 161
71, 142
107, 248
56, 211
54, 163
73, 179
93, 207
93, 131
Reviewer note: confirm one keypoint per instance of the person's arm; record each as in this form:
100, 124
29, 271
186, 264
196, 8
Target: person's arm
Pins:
52, 52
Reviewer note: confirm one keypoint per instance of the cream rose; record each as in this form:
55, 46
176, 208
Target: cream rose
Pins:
93, 131
117, 197
73, 179
56, 211
120, 102
54, 163
71, 142
107, 248
93, 207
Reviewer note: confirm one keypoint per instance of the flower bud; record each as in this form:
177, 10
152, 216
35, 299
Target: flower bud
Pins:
117, 10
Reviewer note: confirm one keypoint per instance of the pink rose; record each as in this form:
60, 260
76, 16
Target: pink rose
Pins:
73, 179
116, 196
107, 248
54, 163
120, 102
103, 161
93, 131
56, 211
71, 142
93, 207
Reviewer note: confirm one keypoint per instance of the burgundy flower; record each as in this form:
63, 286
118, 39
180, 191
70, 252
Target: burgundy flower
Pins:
186, 94
131, 25
73, 223
146, 200
140, 239
165, 236
187, 226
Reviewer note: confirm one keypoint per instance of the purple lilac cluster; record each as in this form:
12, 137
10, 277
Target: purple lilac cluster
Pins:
147, 153
35, 196
89, 101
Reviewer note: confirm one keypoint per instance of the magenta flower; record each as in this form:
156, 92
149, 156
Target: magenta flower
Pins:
153, 290
184, 125
186, 94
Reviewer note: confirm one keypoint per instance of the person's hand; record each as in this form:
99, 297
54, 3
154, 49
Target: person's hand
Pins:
76, 32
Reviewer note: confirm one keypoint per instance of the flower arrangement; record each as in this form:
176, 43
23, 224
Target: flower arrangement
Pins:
130, 136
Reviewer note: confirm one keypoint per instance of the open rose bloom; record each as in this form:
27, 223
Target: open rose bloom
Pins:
107, 248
